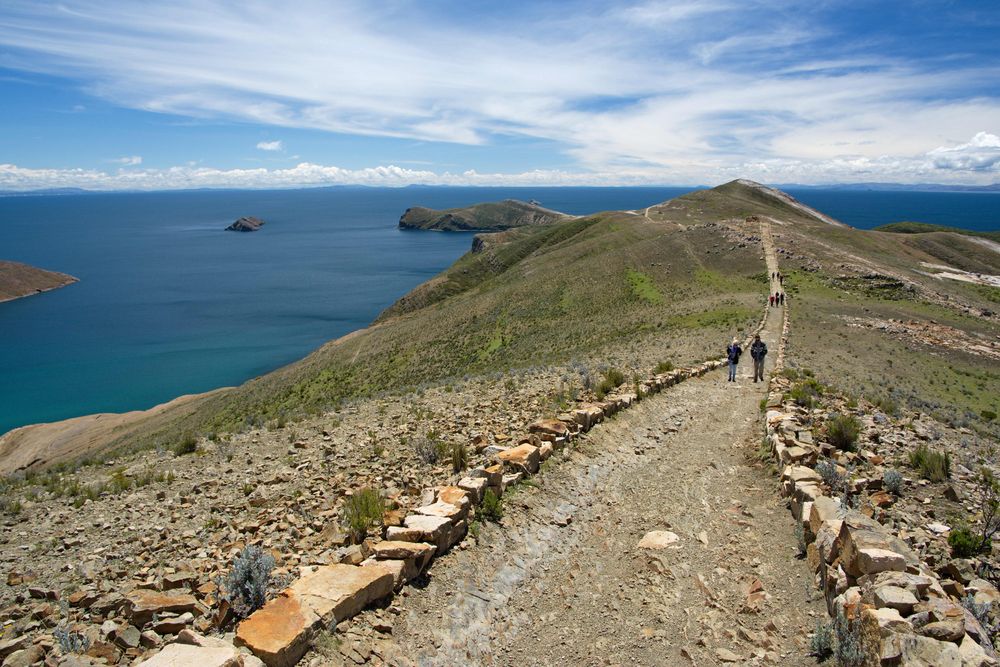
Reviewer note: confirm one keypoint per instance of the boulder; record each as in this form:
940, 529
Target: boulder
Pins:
823, 509
889, 621
896, 598
916, 651
475, 487
549, 429
524, 458
142, 604
388, 549
457, 496
187, 655
279, 633
441, 509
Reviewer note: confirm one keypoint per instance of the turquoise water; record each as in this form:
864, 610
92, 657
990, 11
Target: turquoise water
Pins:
169, 304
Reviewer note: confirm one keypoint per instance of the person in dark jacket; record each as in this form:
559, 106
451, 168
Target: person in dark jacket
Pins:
782, 298
733, 352
758, 350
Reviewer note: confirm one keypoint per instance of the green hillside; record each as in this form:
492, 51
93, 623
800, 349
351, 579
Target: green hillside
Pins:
492, 216
908, 227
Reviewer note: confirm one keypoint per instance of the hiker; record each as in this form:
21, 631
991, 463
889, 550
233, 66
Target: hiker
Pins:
733, 353
758, 350
770, 299
782, 298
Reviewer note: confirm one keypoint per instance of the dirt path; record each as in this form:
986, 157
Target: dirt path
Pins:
562, 580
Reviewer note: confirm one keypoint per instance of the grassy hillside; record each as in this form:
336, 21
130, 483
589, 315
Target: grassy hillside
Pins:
634, 288
907, 227
493, 216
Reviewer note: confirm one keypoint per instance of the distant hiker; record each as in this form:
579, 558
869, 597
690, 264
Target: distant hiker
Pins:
782, 298
733, 353
770, 299
758, 350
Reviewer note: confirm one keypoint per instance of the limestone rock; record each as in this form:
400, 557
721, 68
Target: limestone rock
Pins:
142, 604
658, 539
523, 457
187, 655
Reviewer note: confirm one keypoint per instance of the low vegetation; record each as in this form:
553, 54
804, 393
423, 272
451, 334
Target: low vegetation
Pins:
492, 507
933, 465
246, 585
843, 432
363, 511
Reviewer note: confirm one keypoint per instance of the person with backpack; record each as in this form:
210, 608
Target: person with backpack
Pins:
758, 350
733, 352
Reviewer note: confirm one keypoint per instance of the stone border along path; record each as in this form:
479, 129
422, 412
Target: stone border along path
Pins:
864, 571
282, 631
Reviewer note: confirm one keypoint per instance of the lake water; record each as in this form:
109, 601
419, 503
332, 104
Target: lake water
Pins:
169, 304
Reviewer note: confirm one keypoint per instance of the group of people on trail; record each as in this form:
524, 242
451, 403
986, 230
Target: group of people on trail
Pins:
777, 299
776, 275
758, 350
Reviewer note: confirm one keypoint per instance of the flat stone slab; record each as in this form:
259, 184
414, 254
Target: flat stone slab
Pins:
389, 549
658, 539
525, 457
279, 633
142, 604
186, 655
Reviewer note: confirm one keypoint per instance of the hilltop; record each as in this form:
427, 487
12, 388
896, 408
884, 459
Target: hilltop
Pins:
19, 280
494, 216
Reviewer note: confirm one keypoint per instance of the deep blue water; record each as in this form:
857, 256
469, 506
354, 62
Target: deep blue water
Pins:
169, 304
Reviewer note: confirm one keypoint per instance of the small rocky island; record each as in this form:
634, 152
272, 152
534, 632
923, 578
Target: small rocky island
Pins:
489, 217
246, 224
18, 280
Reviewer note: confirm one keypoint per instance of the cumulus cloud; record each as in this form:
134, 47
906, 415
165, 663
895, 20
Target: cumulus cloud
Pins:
129, 160
948, 164
982, 153
270, 146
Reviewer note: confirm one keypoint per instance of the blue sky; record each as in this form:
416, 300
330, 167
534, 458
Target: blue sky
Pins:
113, 94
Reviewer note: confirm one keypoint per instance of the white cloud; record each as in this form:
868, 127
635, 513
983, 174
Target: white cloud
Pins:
129, 160
947, 164
681, 92
270, 146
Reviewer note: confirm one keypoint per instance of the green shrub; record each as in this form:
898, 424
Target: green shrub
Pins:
887, 405
119, 482
806, 392
187, 445
932, 465
663, 367
988, 415
843, 432
613, 378
963, 543
492, 507
364, 510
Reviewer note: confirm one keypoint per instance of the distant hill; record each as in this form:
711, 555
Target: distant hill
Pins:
895, 187
18, 280
908, 227
493, 216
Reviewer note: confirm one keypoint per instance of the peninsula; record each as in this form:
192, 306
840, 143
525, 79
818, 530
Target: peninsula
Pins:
18, 280
488, 217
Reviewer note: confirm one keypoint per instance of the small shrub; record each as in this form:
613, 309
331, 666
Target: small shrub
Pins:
887, 405
459, 457
831, 476
963, 542
492, 507
187, 445
849, 650
363, 510
892, 480
119, 482
821, 644
932, 465
805, 393
800, 539
988, 415
71, 642
247, 583
474, 529
428, 448
663, 367
989, 507
843, 432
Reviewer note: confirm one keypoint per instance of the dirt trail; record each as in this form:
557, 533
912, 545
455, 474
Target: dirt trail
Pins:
562, 581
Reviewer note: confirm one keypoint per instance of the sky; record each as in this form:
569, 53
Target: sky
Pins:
199, 93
